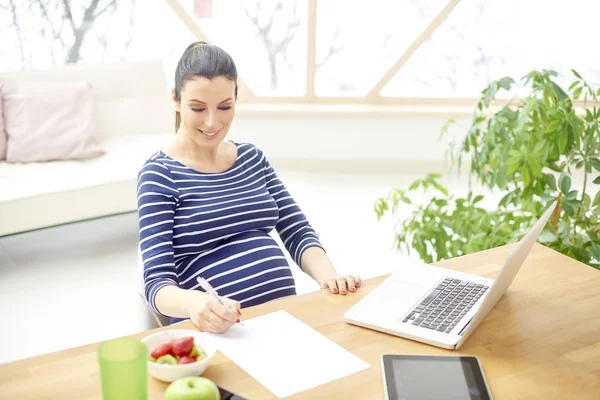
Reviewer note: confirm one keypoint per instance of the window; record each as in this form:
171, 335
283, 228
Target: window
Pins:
267, 40
358, 41
43, 34
319, 51
485, 40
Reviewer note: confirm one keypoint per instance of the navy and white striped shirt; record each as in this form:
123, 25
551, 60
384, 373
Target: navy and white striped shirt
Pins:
216, 225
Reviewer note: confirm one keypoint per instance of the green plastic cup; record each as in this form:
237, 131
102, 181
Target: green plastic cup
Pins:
123, 369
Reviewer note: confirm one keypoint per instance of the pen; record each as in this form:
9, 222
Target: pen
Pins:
210, 290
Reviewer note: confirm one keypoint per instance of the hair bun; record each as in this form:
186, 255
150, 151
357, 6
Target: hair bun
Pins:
195, 44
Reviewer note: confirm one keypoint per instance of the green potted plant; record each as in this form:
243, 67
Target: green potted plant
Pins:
529, 149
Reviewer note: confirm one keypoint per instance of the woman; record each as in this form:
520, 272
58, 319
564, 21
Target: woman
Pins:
206, 207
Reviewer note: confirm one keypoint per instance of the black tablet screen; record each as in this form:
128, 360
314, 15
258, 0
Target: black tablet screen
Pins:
433, 377
227, 395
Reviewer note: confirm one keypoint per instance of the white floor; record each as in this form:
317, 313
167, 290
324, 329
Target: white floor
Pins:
76, 284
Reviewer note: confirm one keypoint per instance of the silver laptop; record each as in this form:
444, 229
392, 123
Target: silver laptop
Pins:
439, 306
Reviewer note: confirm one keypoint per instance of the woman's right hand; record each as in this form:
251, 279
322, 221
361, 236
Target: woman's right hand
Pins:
209, 315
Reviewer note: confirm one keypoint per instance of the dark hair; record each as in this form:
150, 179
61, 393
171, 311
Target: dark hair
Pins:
201, 59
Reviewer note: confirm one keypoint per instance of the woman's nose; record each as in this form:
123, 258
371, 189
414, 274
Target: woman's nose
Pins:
210, 121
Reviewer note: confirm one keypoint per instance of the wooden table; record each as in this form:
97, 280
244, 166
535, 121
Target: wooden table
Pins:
542, 340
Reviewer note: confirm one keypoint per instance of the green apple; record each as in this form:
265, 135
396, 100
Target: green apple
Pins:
192, 388
194, 352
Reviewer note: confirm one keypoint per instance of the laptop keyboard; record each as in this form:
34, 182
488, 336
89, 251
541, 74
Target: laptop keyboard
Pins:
443, 308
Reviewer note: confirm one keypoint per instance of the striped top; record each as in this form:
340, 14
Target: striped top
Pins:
216, 225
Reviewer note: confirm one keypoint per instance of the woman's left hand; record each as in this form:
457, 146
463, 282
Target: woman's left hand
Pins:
342, 283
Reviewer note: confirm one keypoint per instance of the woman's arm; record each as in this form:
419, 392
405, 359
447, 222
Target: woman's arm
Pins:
293, 227
157, 202
177, 302
300, 239
316, 263
157, 197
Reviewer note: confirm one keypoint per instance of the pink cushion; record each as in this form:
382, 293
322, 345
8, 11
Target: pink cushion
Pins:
49, 121
2, 132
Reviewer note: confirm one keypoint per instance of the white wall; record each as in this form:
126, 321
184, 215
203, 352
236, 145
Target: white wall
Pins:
401, 142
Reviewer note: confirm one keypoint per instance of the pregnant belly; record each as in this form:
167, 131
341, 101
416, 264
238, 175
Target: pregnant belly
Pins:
250, 268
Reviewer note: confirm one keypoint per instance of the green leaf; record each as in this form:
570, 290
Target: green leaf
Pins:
568, 208
572, 195
565, 183
446, 126
539, 147
506, 200
562, 142
477, 199
596, 201
536, 168
506, 82
501, 178
554, 126
595, 250
577, 93
575, 83
525, 176
596, 164
547, 237
516, 154
597, 181
559, 92
550, 181
576, 74
512, 167
538, 189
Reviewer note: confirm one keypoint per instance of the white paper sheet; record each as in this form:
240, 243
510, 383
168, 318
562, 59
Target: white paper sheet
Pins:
284, 354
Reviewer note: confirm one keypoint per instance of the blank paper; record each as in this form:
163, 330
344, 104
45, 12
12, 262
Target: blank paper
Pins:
284, 354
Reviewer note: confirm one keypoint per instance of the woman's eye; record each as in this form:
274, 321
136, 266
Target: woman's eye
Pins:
202, 109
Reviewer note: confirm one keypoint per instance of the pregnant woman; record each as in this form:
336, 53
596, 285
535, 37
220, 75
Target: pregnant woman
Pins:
206, 206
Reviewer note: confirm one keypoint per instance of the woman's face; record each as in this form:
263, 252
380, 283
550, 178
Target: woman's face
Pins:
207, 108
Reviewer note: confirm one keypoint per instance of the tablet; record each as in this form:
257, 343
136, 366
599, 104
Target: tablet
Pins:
225, 394
410, 377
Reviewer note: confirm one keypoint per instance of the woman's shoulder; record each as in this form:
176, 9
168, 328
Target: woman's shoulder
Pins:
247, 149
155, 165
155, 162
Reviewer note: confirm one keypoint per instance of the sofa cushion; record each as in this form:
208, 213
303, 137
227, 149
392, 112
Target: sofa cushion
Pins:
130, 97
37, 192
47, 121
2, 132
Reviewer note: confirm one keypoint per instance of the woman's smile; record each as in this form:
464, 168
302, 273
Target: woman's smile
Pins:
209, 133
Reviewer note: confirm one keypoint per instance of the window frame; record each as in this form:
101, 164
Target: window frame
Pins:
371, 103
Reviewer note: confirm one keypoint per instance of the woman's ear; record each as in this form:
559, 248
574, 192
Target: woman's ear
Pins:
174, 99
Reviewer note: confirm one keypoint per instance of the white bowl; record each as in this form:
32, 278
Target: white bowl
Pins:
169, 373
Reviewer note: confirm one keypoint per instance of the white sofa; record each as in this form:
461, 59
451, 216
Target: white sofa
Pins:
134, 118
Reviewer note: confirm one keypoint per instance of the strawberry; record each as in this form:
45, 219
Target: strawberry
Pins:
162, 350
187, 360
182, 346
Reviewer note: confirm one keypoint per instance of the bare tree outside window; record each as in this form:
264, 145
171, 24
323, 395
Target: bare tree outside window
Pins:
46, 33
276, 25
357, 42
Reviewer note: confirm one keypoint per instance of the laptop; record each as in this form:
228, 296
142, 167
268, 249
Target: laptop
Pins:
439, 306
